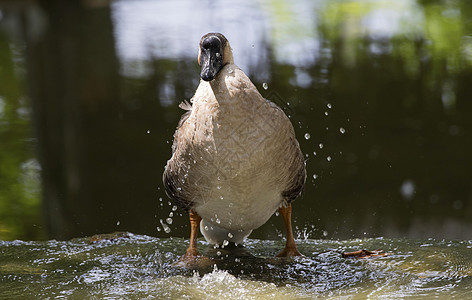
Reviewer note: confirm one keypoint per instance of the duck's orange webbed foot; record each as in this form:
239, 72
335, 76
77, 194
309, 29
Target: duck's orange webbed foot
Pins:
192, 259
289, 252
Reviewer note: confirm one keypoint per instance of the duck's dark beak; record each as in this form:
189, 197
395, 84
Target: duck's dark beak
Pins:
211, 63
210, 57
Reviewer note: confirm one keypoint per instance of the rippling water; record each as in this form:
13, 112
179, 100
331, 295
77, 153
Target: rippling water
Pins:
141, 266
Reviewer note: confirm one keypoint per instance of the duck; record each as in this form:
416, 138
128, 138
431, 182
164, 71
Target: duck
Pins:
235, 157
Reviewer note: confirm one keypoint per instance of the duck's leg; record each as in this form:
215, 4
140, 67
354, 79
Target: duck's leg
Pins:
192, 258
195, 220
290, 247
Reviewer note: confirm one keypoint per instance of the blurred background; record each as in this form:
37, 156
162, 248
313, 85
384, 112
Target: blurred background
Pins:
379, 93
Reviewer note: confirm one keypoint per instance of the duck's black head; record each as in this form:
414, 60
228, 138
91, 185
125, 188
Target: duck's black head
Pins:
213, 55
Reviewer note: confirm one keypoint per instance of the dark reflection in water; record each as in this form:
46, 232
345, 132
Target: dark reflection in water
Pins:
382, 118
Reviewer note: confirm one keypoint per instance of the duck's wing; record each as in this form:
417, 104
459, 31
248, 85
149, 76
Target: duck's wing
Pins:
297, 179
297, 182
170, 177
174, 191
185, 105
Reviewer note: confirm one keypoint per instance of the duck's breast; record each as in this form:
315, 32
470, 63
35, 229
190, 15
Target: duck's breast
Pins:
241, 155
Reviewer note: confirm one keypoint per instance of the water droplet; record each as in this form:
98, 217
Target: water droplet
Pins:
148, 132
225, 243
118, 223
174, 208
218, 187
218, 221
315, 176
230, 235
230, 70
325, 233
179, 188
314, 153
221, 197
328, 158
328, 105
169, 221
326, 113
407, 189
265, 85
164, 225
321, 146
206, 228
158, 228
218, 253
307, 136
342, 130
277, 213
171, 214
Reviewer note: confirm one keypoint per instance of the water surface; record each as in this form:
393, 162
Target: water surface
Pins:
143, 267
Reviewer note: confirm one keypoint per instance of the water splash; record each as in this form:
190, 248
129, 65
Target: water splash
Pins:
165, 226
143, 267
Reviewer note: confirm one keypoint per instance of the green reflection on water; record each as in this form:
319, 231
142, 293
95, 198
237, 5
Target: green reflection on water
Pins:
19, 169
